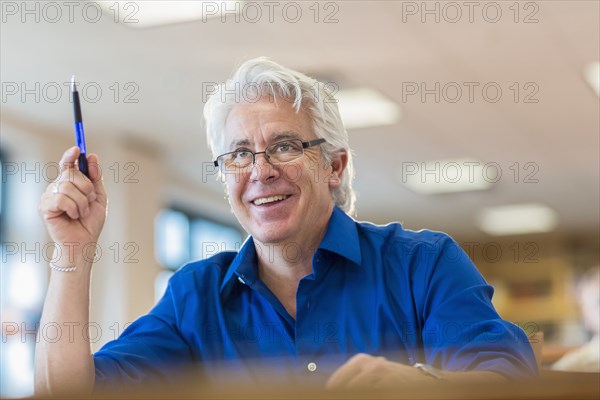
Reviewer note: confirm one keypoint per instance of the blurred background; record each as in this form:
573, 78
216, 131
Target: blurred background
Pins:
480, 119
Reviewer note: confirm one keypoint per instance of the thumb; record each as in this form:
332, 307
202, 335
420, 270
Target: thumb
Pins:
69, 157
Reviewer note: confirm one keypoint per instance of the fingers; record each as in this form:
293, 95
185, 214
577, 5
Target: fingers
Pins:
94, 167
365, 371
350, 370
73, 192
64, 196
363, 379
59, 203
80, 194
96, 177
69, 172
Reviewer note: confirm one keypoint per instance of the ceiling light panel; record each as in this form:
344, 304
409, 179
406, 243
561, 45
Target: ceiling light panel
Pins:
448, 176
518, 219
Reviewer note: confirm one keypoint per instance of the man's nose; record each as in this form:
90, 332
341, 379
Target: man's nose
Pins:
262, 169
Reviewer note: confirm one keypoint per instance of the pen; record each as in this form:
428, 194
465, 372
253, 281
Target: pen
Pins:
79, 136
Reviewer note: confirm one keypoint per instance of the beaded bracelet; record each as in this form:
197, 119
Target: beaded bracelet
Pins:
62, 269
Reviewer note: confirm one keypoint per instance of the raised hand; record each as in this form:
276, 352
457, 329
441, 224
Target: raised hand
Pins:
74, 207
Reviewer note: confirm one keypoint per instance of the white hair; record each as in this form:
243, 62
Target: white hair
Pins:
260, 76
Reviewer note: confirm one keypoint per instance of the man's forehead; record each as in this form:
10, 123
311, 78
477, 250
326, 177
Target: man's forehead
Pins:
265, 104
265, 121
277, 108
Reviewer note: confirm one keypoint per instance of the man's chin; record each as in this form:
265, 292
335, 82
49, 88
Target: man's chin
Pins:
273, 233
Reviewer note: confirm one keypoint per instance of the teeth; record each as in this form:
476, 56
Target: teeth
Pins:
271, 199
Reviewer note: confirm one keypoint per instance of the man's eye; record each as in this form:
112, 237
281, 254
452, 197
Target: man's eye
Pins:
284, 147
243, 154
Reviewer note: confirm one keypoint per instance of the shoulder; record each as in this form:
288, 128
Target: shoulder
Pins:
416, 253
394, 235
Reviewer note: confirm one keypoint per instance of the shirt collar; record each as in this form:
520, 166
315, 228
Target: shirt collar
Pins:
340, 238
243, 264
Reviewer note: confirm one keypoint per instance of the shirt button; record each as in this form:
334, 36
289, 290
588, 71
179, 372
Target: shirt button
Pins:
312, 367
241, 280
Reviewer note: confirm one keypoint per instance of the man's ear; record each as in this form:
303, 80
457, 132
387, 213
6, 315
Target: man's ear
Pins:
339, 161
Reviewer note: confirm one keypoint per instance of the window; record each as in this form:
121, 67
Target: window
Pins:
181, 237
21, 293
2, 194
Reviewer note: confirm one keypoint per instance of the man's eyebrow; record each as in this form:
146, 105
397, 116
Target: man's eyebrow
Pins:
237, 143
275, 138
284, 135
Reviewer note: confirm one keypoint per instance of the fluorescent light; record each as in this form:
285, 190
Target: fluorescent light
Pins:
363, 107
592, 75
144, 14
448, 176
518, 219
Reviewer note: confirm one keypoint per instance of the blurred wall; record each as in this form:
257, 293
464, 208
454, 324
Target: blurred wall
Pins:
138, 187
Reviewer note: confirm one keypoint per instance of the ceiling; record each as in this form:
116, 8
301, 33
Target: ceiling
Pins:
373, 43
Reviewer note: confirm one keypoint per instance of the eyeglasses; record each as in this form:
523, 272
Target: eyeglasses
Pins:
277, 153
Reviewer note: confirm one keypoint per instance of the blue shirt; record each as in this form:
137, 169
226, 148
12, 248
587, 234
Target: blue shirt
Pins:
381, 290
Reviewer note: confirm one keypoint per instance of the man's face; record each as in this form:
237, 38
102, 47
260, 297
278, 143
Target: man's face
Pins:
300, 188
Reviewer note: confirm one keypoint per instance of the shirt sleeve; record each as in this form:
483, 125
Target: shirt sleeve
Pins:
461, 329
151, 351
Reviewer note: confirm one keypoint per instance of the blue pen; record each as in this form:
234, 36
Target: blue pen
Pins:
79, 136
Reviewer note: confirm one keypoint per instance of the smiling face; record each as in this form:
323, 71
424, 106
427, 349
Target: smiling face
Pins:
288, 202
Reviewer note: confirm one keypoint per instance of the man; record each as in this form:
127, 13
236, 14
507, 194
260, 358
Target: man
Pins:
312, 295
